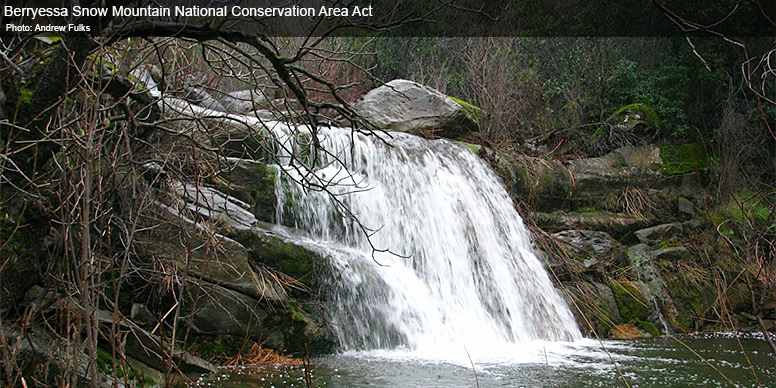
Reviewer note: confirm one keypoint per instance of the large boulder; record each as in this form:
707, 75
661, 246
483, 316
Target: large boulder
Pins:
407, 106
151, 349
622, 168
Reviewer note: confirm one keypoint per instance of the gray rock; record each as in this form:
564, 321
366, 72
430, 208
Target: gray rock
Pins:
620, 169
216, 258
642, 265
40, 298
218, 310
686, 206
253, 183
673, 254
216, 206
606, 299
407, 106
244, 101
594, 304
597, 244
616, 224
37, 351
141, 315
202, 98
151, 350
658, 233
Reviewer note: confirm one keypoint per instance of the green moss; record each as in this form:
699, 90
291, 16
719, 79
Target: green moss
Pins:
104, 361
630, 302
650, 116
685, 158
472, 147
476, 112
649, 327
585, 209
297, 313
25, 96
216, 348
671, 242
745, 205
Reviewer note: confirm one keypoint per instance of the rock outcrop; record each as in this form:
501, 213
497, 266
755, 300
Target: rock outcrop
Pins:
550, 185
623, 226
252, 282
407, 106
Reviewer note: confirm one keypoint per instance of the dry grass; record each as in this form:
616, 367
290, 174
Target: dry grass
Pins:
625, 331
693, 273
258, 356
636, 203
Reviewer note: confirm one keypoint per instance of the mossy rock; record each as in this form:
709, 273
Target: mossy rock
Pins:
630, 301
302, 333
253, 183
476, 112
686, 158
292, 259
649, 327
474, 148
692, 297
217, 348
594, 305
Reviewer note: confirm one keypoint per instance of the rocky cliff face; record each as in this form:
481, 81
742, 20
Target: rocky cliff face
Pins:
628, 243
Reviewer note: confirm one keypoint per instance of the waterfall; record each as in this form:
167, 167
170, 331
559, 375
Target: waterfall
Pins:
446, 261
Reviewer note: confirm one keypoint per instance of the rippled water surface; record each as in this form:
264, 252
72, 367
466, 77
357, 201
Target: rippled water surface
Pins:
664, 362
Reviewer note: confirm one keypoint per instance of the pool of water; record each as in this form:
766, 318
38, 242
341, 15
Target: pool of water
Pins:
708, 361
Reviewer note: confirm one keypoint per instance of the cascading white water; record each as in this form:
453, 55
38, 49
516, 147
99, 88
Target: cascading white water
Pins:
460, 270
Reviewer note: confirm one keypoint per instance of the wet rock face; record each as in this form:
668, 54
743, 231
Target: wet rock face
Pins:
407, 106
243, 269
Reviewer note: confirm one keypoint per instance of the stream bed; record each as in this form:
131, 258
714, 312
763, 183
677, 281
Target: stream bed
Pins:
684, 361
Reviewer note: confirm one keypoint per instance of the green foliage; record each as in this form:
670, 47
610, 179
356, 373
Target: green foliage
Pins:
684, 158
744, 206
662, 88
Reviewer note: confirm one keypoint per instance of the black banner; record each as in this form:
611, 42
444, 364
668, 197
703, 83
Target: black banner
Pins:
391, 17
